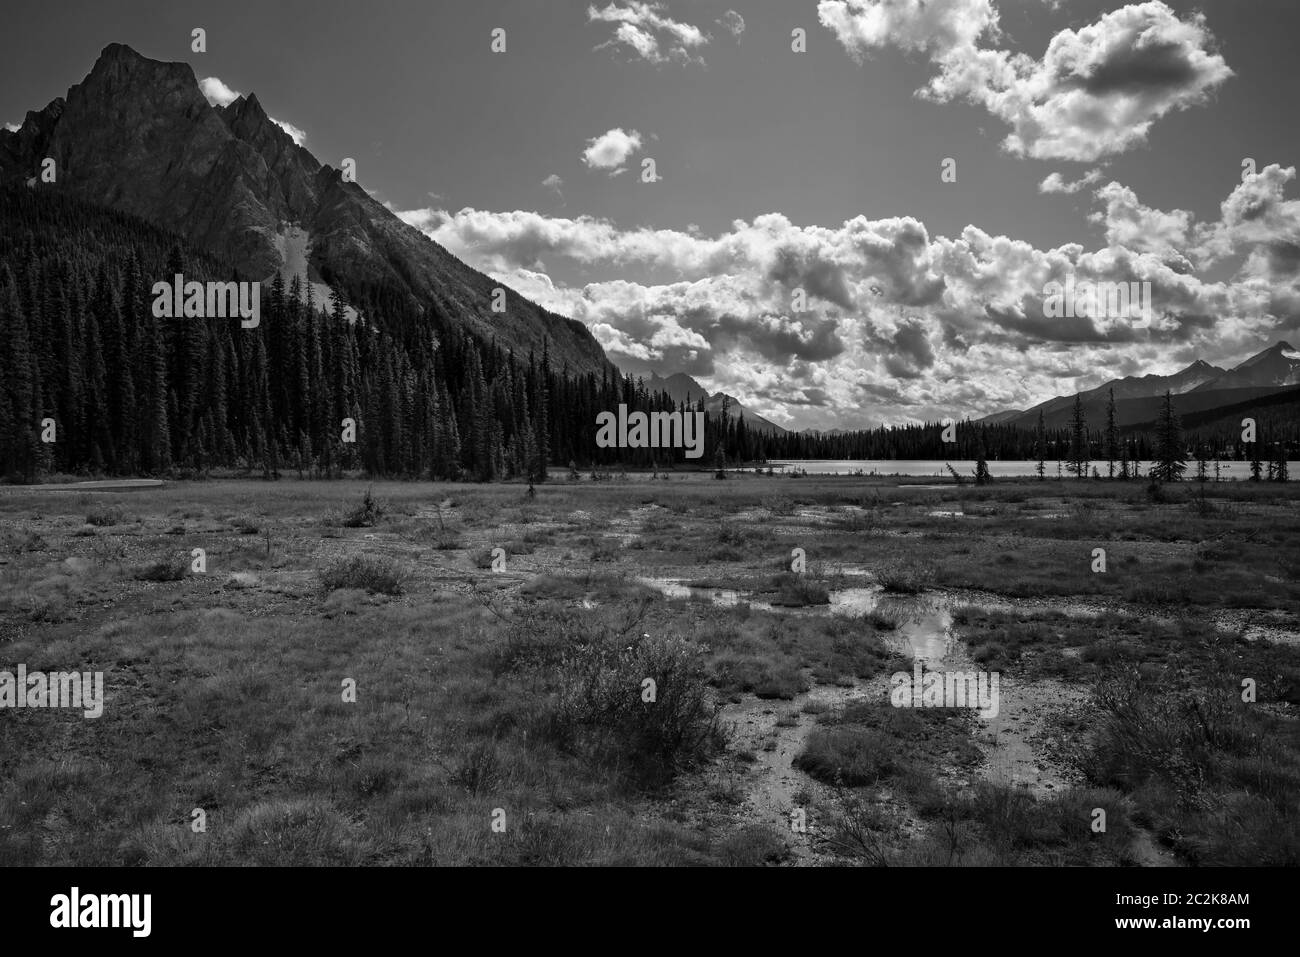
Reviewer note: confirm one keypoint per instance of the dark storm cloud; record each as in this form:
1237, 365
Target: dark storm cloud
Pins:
778, 338
1141, 69
795, 269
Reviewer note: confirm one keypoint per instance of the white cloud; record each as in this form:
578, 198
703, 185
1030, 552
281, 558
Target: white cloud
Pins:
647, 30
936, 27
12, 127
555, 184
611, 150
733, 23
216, 92
295, 134
901, 325
1056, 183
1134, 226
1095, 92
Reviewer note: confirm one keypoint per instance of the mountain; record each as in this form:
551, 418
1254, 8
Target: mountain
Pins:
1057, 411
1272, 409
1275, 367
682, 388
138, 136
1201, 386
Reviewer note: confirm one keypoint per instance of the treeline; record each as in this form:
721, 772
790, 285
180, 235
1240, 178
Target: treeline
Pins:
121, 392
95, 384
1011, 443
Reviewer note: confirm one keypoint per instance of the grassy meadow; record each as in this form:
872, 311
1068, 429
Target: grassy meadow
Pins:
502, 645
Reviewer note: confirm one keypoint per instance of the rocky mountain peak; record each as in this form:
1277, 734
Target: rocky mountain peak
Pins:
138, 135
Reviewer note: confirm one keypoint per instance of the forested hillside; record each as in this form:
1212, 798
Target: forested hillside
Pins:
133, 394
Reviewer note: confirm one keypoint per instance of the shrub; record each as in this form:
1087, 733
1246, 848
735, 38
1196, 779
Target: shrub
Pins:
847, 756
365, 515
374, 573
906, 578
164, 571
601, 691
104, 516
796, 591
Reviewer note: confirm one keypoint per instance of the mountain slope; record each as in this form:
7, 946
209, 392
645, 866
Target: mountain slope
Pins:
682, 388
137, 135
1057, 411
1275, 367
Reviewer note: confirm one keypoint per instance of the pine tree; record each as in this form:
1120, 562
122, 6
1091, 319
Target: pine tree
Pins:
19, 412
1112, 434
541, 401
1169, 463
1078, 440
1040, 446
982, 476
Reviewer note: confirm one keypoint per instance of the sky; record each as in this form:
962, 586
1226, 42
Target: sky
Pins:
797, 243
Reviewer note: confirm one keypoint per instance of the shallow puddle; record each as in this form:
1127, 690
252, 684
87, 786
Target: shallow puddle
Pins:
924, 622
724, 597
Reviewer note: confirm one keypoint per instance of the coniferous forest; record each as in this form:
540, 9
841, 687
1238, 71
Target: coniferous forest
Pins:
130, 394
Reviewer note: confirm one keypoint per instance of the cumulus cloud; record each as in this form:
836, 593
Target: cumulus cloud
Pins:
554, 184
12, 127
1132, 225
646, 30
216, 92
1095, 92
900, 324
295, 134
1056, 183
733, 23
611, 150
936, 27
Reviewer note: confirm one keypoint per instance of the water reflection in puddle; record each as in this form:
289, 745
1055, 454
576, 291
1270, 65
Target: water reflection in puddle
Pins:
924, 622
725, 597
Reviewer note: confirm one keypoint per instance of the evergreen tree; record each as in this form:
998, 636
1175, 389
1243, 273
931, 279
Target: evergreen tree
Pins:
1040, 446
1112, 434
1169, 463
1079, 457
982, 476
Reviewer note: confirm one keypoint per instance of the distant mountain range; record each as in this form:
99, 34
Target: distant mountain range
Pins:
138, 136
1201, 387
682, 388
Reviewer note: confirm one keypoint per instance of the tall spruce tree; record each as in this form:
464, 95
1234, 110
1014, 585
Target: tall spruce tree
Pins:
1169, 463
1079, 457
1112, 434
1040, 446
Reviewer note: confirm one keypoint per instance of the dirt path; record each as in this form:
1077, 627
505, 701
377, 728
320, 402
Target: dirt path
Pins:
775, 731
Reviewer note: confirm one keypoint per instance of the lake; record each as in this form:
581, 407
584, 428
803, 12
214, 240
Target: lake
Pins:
931, 468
